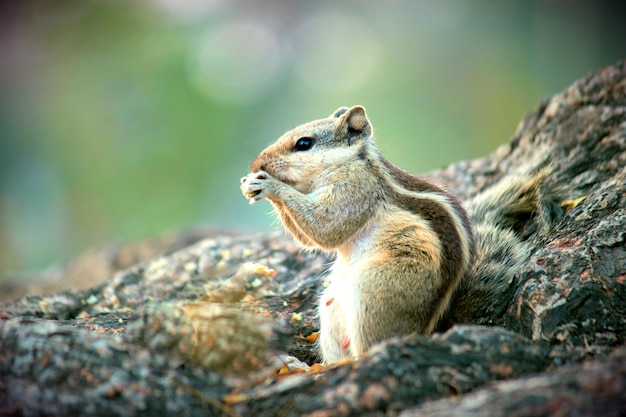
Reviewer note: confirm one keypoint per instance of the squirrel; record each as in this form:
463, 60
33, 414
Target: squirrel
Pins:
409, 257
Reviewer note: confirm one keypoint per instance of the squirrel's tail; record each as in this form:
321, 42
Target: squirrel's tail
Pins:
503, 216
514, 202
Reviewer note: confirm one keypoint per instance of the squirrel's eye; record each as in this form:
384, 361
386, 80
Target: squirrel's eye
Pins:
304, 144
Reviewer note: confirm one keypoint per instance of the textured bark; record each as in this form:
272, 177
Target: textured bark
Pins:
196, 333
596, 388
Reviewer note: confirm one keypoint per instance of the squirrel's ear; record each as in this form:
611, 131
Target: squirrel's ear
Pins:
339, 112
353, 125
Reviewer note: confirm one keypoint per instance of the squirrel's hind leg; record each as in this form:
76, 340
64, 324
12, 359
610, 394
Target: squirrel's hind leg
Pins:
407, 304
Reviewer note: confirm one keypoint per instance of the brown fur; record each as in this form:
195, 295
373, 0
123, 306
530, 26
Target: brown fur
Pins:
408, 259
402, 243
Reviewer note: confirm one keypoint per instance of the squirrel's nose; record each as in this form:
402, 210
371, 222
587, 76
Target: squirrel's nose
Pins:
258, 164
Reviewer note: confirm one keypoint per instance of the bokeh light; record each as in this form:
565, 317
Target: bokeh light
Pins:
336, 54
237, 63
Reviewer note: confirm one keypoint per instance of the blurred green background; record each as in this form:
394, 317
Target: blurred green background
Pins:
123, 120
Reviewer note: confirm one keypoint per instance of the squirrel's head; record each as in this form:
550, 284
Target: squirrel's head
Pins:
315, 149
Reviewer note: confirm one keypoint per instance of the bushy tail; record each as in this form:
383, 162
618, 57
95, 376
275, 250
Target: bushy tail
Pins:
503, 216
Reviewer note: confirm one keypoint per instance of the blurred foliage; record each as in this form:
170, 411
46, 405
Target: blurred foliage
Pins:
123, 120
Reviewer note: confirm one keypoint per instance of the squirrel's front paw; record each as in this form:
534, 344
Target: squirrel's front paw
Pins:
253, 186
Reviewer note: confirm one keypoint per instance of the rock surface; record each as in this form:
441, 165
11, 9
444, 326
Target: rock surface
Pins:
205, 329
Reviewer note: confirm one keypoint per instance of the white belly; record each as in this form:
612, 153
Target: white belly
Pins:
339, 311
339, 304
